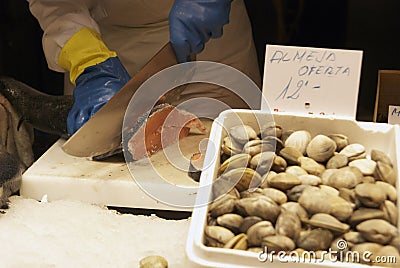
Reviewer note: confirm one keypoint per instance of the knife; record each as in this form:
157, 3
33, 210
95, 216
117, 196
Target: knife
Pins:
101, 135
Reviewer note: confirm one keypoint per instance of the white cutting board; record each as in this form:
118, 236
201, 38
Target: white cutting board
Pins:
61, 176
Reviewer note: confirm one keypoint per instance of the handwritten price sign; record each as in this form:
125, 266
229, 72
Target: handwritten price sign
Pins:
312, 80
394, 114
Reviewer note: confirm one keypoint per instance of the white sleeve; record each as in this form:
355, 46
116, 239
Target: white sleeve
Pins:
60, 19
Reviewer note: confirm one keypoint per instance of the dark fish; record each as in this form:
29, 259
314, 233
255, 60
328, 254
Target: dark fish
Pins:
43, 112
10, 176
174, 124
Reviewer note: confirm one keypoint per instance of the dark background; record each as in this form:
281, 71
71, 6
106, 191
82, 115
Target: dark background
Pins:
372, 26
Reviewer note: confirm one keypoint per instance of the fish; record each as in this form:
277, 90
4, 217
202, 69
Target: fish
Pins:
158, 128
44, 112
23, 108
11, 170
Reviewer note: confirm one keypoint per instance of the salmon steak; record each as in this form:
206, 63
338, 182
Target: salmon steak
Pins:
162, 126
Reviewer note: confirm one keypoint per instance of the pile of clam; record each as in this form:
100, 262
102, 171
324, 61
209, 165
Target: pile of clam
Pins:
298, 192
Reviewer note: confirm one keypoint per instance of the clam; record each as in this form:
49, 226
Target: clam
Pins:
316, 239
321, 148
385, 172
260, 206
299, 140
222, 186
364, 214
295, 193
354, 237
242, 133
254, 147
369, 179
262, 162
235, 161
217, 236
326, 221
391, 212
337, 161
251, 193
230, 146
349, 195
278, 243
231, 221
370, 195
310, 180
223, 205
346, 177
245, 178
291, 155
366, 166
276, 195
248, 222
274, 143
283, 181
266, 177
285, 134
279, 164
326, 174
379, 156
329, 190
340, 140
390, 190
296, 208
271, 129
153, 261
314, 200
258, 231
237, 242
288, 224
311, 166
233, 192
296, 171
377, 230
354, 151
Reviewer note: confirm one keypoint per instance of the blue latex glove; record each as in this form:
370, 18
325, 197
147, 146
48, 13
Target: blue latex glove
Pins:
94, 87
193, 22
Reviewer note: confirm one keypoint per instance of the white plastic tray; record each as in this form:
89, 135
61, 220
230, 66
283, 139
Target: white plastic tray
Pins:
61, 176
372, 135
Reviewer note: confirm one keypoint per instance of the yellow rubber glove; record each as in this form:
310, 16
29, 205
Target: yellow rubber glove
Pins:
96, 71
85, 48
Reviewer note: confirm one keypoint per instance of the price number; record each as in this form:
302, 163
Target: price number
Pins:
292, 90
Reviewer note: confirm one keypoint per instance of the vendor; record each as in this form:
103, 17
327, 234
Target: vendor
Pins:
101, 44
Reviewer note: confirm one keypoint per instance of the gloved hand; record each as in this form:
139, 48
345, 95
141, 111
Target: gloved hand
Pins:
94, 87
96, 71
193, 22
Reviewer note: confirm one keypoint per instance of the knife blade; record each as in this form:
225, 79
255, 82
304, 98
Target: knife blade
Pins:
101, 134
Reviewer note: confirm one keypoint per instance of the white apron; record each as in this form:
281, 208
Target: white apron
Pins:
137, 29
